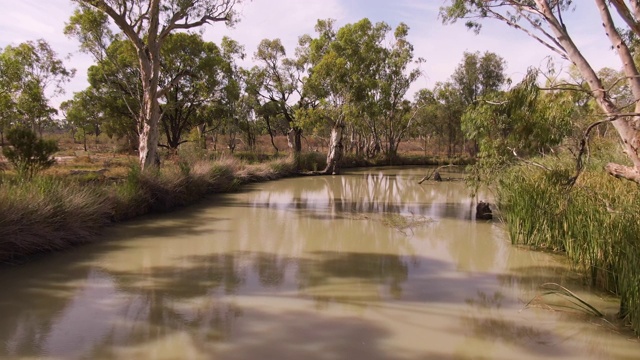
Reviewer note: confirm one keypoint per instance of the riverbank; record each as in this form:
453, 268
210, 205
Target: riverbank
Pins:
53, 213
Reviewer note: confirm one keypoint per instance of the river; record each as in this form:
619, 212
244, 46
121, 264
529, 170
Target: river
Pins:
366, 265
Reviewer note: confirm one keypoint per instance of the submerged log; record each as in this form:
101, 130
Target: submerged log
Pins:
483, 211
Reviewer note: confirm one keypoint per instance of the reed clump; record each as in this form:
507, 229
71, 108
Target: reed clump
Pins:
596, 222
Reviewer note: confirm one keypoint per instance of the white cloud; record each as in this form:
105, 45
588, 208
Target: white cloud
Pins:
269, 19
27, 20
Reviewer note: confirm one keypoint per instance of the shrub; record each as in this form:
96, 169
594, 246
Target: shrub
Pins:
28, 154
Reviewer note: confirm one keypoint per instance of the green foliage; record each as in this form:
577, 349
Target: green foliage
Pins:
28, 71
479, 75
83, 114
276, 90
139, 26
199, 65
360, 75
28, 154
522, 122
115, 80
439, 111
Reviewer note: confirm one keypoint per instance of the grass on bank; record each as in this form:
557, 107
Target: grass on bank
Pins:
55, 212
596, 223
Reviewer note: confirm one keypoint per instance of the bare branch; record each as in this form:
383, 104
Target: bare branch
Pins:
584, 143
120, 20
626, 15
560, 51
621, 47
219, 13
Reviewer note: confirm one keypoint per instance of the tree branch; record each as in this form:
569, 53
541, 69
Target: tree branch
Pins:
162, 92
560, 51
119, 19
217, 14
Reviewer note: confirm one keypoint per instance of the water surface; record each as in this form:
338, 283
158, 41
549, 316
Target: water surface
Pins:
367, 265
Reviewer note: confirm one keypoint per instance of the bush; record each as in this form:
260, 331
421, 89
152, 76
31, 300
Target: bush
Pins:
28, 154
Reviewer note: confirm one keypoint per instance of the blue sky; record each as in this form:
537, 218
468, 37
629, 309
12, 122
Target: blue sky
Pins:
442, 46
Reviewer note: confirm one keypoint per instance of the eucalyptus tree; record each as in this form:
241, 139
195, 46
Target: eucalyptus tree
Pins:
10, 72
201, 65
476, 77
147, 25
358, 79
197, 65
344, 69
232, 106
115, 79
281, 83
29, 73
393, 82
426, 126
262, 107
451, 107
543, 21
479, 75
523, 121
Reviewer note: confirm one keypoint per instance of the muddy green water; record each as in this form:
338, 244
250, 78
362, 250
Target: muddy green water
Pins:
368, 265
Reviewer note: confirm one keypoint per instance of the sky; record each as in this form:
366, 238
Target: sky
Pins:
442, 46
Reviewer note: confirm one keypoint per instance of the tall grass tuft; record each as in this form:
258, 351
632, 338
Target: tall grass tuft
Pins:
596, 222
48, 214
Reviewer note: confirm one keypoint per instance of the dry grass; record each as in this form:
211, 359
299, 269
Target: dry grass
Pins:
57, 212
47, 215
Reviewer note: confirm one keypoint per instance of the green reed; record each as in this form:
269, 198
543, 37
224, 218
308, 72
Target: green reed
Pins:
596, 222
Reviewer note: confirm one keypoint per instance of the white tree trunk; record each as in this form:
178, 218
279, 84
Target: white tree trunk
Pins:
336, 148
150, 111
148, 144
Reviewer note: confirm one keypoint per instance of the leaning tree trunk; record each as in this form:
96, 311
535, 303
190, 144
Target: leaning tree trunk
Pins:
270, 131
626, 126
336, 148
